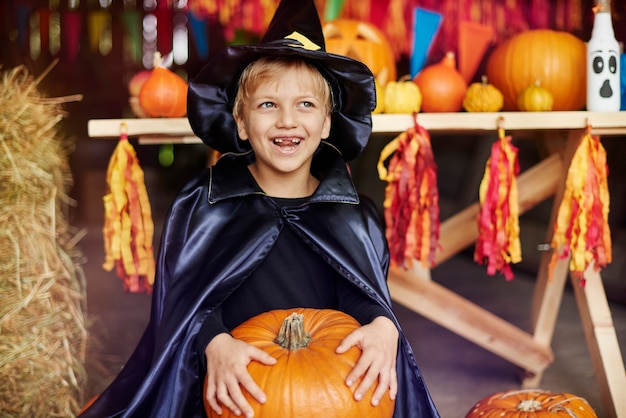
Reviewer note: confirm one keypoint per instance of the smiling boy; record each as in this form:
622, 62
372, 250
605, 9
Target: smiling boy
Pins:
276, 223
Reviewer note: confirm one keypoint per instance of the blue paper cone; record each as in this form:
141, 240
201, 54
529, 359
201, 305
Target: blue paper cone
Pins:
425, 27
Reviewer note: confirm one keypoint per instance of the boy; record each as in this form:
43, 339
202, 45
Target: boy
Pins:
275, 224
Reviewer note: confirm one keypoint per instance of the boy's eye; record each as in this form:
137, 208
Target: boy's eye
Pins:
266, 105
307, 104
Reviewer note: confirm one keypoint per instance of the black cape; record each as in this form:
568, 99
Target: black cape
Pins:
202, 259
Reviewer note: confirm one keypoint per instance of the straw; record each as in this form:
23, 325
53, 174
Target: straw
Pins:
43, 333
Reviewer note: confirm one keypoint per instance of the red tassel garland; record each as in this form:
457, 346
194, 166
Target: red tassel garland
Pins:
411, 198
498, 243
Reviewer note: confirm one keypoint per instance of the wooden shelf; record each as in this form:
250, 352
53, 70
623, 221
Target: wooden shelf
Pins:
177, 130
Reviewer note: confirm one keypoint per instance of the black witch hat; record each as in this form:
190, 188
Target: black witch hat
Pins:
296, 30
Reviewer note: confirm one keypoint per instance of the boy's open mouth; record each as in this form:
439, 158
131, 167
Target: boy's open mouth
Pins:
287, 142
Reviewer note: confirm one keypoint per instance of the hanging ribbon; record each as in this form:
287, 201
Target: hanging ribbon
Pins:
133, 36
582, 227
411, 197
100, 35
44, 29
165, 27
498, 243
71, 27
332, 9
128, 227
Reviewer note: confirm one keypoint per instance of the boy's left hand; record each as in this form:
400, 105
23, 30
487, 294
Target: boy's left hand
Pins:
378, 342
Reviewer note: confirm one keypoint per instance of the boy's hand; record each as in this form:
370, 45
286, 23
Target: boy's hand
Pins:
227, 361
378, 341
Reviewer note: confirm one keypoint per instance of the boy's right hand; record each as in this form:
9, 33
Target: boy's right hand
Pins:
227, 372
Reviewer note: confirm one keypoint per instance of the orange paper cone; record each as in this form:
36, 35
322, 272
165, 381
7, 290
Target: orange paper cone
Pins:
474, 39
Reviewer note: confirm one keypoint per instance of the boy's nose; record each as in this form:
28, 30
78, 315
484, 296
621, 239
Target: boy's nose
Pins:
287, 118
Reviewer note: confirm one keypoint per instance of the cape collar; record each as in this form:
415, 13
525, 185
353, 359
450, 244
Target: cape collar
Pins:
231, 178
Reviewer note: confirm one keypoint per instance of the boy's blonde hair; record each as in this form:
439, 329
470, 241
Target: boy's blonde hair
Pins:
272, 68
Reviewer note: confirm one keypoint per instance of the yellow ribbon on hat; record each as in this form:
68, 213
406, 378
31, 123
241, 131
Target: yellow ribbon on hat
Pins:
306, 42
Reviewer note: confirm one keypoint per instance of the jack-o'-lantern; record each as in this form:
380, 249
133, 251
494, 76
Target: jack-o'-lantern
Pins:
364, 42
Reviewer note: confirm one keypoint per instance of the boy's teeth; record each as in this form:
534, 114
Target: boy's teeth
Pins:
282, 141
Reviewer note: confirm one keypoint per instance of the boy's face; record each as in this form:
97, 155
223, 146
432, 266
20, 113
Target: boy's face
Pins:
285, 121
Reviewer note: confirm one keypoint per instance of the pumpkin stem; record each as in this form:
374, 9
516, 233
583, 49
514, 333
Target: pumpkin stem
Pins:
529, 405
449, 60
483, 80
156, 60
291, 334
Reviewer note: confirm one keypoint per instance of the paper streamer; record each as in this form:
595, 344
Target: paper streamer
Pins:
425, 27
165, 28
133, 38
333, 9
99, 28
71, 26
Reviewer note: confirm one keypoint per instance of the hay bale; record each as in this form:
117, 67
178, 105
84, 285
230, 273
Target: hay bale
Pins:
42, 289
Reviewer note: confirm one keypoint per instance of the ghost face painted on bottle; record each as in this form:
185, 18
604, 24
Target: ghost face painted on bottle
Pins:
285, 117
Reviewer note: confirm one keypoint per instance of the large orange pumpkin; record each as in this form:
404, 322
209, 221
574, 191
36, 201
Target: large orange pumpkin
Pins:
532, 403
364, 42
557, 58
308, 378
442, 85
164, 94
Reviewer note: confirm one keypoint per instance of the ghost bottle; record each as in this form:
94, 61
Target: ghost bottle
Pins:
603, 77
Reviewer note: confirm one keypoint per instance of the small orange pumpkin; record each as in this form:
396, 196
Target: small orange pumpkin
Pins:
164, 94
363, 42
531, 403
443, 87
308, 377
557, 58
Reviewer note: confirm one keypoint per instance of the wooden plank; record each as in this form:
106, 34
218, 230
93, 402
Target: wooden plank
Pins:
602, 342
606, 123
552, 296
544, 309
534, 186
468, 320
548, 292
513, 121
111, 128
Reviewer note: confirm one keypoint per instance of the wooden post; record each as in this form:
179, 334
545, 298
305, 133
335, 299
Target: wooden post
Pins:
602, 342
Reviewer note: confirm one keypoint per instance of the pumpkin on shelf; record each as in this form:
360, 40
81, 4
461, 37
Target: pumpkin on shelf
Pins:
363, 42
483, 97
135, 84
535, 98
402, 96
558, 58
380, 98
442, 86
301, 383
531, 403
164, 93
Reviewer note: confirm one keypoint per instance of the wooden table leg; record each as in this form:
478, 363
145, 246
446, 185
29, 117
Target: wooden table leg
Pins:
548, 291
602, 342
593, 308
466, 319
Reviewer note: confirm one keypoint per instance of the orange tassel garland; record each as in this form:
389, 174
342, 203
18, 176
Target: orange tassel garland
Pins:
128, 227
582, 228
498, 243
411, 198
